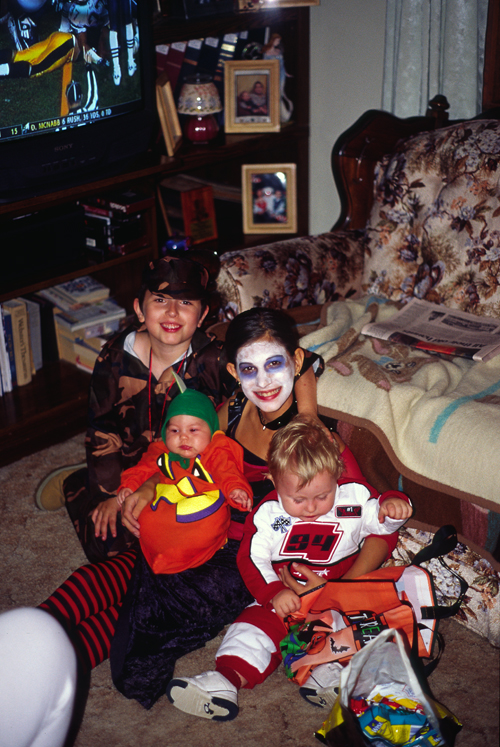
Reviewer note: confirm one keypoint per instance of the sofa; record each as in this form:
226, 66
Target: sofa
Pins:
420, 218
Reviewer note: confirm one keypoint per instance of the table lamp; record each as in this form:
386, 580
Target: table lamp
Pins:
200, 100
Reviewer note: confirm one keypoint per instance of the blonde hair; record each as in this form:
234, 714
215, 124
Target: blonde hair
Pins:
303, 448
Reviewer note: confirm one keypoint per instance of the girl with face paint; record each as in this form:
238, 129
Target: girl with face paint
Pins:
277, 379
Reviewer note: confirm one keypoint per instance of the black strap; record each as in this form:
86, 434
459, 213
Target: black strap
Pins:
444, 541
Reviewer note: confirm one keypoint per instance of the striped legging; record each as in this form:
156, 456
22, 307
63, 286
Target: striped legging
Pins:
87, 605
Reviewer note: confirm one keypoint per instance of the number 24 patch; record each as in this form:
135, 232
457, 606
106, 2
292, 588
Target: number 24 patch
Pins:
313, 541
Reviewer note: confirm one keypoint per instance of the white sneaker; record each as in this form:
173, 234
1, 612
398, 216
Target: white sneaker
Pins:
208, 695
321, 687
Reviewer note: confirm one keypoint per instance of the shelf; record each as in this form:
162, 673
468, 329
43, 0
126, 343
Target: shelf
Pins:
46, 280
50, 409
179, 30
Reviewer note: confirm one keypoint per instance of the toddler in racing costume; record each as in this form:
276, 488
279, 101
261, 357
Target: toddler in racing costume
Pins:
327, 526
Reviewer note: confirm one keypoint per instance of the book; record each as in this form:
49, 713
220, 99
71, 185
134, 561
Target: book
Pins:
226, 53
173, 62
74, 348
161, 51
94, 320
54, 295
85, 289
48, 333
9, 344
209, 56
4, 361
437, 329
35, 330
189, 64
16, 309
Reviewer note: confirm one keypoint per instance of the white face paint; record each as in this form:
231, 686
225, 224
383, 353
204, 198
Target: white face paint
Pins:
266, 372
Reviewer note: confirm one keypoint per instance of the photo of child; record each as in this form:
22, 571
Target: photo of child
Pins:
269, 198
252, 97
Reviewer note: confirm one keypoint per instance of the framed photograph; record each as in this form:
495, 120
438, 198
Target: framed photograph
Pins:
167, 113
269, 198
268, 4
251, 96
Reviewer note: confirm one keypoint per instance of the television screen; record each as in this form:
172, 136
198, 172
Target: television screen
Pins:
75, 89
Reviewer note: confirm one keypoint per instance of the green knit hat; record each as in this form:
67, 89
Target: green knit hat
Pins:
191, 402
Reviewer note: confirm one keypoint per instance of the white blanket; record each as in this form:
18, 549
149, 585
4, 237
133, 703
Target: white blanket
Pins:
439, 416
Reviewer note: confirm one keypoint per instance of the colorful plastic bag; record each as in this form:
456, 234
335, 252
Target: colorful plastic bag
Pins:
382, 703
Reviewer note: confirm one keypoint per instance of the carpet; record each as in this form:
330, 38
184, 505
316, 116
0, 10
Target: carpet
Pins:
38, 550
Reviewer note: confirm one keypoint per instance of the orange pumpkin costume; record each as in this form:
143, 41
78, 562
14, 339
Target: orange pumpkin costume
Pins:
188, 521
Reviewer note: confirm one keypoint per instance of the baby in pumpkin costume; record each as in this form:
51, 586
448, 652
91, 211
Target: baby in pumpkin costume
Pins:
185, 519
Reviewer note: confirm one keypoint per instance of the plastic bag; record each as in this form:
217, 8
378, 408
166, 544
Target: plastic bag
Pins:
382, 703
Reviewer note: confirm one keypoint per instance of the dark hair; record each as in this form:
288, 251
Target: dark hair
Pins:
256, 323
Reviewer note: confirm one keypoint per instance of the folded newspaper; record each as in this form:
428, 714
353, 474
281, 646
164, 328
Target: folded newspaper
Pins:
428, 326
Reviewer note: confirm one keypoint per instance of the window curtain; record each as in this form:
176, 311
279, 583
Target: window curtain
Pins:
434, 47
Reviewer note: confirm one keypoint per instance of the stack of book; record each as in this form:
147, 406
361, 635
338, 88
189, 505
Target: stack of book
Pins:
114, 223
69, 321
84, 316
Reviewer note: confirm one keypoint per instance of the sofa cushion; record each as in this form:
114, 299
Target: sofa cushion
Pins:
291, 273
434, 229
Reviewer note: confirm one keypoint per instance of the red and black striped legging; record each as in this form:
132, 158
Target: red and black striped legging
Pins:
87, 605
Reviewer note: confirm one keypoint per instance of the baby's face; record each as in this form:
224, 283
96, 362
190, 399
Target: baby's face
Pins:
187, 436
310, 501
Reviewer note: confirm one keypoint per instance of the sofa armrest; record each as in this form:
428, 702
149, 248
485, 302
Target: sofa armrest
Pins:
296, 272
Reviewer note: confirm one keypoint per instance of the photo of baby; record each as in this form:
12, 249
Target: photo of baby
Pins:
252, 97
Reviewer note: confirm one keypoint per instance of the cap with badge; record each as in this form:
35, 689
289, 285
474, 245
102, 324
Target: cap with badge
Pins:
179, 278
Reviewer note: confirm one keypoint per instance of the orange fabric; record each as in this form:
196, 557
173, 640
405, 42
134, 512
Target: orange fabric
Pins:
178, 531
374, 592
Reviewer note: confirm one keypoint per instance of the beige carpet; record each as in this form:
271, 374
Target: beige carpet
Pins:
38, 550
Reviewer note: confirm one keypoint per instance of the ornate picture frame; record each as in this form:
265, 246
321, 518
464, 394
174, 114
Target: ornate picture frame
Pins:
269, 196
249, 5
167, 114
251, 96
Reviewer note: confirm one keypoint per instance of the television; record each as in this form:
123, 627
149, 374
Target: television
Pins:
77, 93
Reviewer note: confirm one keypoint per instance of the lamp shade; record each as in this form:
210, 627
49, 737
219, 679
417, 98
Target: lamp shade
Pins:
199, 97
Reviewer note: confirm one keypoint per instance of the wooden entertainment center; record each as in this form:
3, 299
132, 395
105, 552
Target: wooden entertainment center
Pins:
53, 406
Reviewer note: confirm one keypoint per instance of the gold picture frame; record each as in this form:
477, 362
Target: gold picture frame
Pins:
250, 5
251, 96
167, 113
269, 196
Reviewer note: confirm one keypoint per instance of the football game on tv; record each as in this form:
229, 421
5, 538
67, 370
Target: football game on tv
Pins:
66, 64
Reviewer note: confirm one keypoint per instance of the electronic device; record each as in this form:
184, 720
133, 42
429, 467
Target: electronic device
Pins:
77, 93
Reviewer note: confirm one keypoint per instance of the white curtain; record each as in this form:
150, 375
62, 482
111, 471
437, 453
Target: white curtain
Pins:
434, 47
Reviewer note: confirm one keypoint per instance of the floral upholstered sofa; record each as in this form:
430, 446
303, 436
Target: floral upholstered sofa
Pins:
420, 218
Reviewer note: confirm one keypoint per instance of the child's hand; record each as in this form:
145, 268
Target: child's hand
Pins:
242, 498
122, 494
104, 517
286, 602
394, 508
313, 580
131, 509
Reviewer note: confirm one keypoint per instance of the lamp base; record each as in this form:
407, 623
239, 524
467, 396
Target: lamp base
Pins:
201, 130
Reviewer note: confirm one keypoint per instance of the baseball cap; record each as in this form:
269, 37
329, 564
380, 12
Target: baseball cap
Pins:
176, 277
